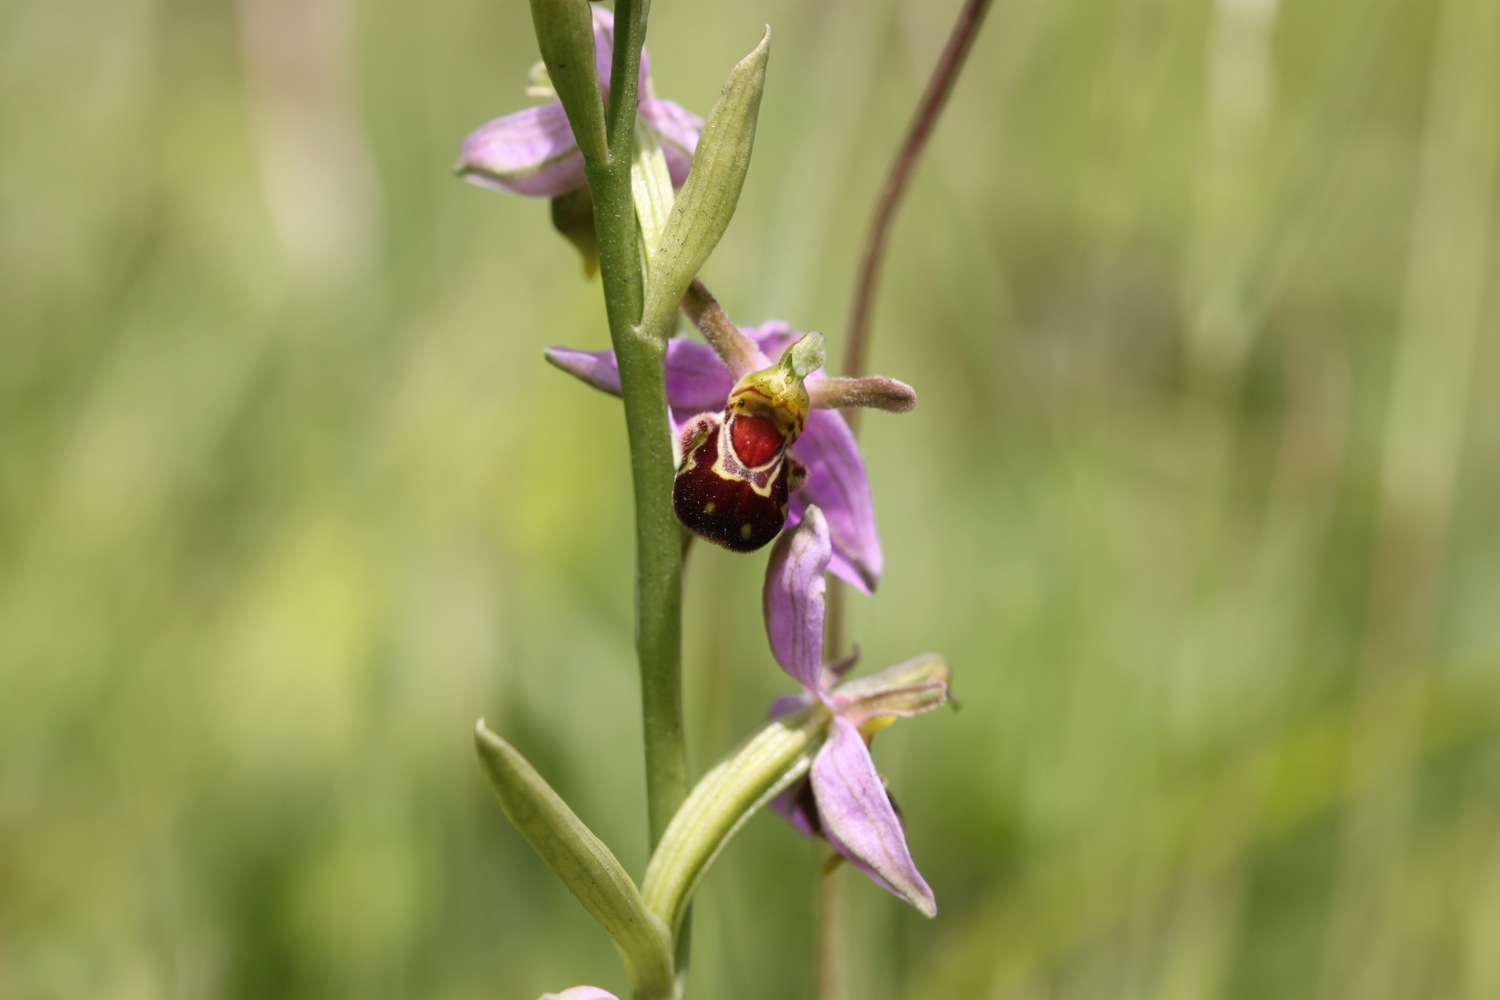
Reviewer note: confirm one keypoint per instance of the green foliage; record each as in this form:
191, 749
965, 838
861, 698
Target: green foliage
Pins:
701, 213
583, 863
288, 499
565, 35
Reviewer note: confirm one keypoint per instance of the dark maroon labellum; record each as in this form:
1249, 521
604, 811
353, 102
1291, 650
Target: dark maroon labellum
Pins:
719, 495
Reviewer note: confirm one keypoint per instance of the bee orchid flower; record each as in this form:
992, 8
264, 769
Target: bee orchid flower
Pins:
762, 441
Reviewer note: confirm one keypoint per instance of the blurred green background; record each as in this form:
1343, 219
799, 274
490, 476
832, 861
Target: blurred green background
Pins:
1199, 500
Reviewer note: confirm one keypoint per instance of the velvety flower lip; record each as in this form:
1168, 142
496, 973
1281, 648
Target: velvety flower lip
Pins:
698, 380
843, 797
533, 152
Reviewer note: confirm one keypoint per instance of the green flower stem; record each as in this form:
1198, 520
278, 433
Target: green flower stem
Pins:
658, 537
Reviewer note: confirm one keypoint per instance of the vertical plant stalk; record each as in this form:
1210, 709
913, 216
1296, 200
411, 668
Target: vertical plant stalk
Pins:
828, 967
658, 582
829, 984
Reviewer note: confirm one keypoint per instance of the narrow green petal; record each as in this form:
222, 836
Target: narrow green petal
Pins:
874, 392
909, 688
651, 188
538, 84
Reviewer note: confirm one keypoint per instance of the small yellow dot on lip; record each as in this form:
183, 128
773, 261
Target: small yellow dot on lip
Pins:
746, 530
708, 508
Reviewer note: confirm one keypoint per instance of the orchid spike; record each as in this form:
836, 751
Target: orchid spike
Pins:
534, 152
784, 431
843, 797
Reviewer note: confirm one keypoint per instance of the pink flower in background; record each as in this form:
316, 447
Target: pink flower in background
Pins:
533, 152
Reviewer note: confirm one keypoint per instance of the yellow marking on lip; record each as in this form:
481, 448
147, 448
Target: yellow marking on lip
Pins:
784, 412
709, 507
740, 394
776, 392
746, 530
723, 472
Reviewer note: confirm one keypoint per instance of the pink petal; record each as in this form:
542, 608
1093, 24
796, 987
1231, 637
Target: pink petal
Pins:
531, 152
797, 807
787, 704
793, 599
836, 482
772, 337
604, 50
598, 368
581, 993
679, 129
697, 381
858, 819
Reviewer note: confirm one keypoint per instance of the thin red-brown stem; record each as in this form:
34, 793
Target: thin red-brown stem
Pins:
829, 983
734, 348
939, 87
857, 342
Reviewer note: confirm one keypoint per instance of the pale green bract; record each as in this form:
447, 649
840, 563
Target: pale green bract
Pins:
707, 201
564, 29
584, 863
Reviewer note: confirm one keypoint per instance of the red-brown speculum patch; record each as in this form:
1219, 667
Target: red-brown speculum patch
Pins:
756, 439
